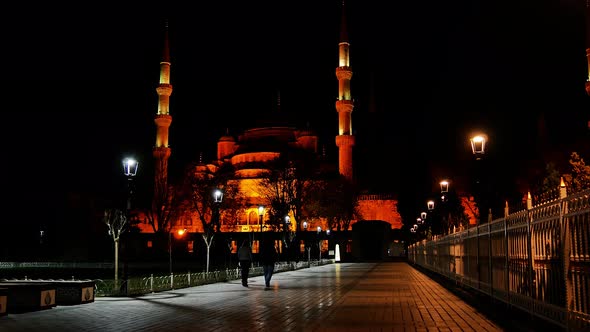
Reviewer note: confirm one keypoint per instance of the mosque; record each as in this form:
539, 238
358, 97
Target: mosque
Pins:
251, 152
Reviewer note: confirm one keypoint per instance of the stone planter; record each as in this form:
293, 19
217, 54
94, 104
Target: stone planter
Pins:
67, 292
24, 297
3, 301
74, 292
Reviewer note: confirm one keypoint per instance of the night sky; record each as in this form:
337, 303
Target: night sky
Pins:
80, 78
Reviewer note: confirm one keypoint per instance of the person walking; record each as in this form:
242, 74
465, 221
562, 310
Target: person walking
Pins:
245, 260
268, 258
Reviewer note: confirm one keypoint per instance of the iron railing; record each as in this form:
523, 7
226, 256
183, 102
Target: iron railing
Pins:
157, 283
537, 259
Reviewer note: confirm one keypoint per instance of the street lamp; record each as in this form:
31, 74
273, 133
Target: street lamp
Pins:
444, 188
430, 205
478, 145
130, 166
307, 247
217, 198
260, 214
478, 149
319, 230
180, 233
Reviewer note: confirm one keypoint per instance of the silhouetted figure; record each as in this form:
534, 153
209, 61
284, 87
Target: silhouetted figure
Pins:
245, 259
268, 258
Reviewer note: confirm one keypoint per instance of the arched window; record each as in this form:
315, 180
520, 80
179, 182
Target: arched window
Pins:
253, 218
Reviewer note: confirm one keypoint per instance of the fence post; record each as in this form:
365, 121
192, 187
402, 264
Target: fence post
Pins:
506, 259
531, 262
189, 278
565, 248
152, 282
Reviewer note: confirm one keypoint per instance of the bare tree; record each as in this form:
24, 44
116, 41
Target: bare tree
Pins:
211, 214
168, 203
335, 199
116, 221
285, 187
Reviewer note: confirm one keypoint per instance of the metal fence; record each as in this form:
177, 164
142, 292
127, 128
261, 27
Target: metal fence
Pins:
537, 259
152, 284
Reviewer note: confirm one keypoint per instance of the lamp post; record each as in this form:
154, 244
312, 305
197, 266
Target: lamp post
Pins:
130, 166
444, 189
478, 149
260, 215
180, 233
445, 216
319, 230
307, 247
217, 199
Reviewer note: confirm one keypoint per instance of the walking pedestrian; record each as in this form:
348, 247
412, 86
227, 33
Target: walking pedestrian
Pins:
245, 260
268, 258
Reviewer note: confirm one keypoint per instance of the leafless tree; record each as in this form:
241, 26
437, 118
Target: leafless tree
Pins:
212, 215
116, 221
168, 203
285, 186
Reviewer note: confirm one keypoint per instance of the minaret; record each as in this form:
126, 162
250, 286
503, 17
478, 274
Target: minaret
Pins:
163, 119
344, 105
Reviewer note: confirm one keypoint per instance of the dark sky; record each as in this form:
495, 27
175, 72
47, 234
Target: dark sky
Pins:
80, 81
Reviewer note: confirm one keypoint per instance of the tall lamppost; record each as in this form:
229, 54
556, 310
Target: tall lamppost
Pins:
478, 149
445, 216
217, 198
180, 233
130, 166
307, 247
260, 215
319, 230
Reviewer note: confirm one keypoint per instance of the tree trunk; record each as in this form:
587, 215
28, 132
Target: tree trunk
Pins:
207, 268
116, 264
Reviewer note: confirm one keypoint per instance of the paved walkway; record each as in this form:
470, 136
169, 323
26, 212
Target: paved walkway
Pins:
390, 296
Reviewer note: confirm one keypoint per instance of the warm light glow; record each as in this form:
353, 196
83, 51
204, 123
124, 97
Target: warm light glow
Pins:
478, 144
305, 225
181, 232
562, 183
319, 229
261, 210
430, 205
287, 220
444, 186
423, 215
418, 220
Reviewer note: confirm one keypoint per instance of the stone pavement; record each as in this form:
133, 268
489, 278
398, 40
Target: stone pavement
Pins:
388, 296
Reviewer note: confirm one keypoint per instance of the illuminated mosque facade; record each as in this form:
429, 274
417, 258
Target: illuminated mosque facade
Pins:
251, 149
